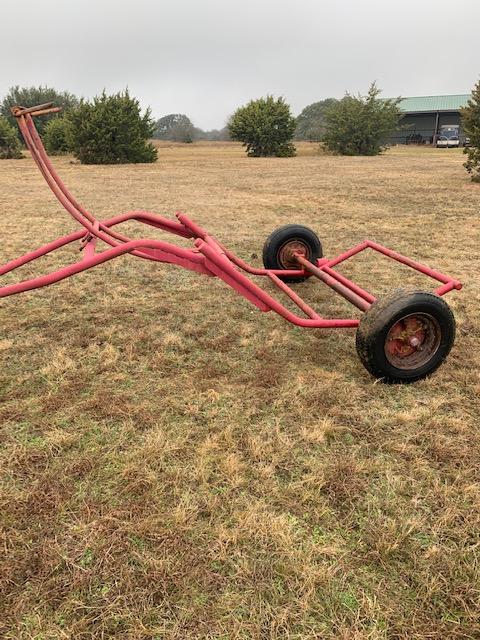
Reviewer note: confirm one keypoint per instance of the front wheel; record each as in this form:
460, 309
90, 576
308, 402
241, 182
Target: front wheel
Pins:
405, 336
282, 244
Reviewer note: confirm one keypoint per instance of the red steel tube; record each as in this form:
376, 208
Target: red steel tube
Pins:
261, 272
141, 216
195, 229
347, 254
41, 251
199, 232
436, 275
222, 267
39, 107
171, 253
334, 284
59, 189
39, 155
82, 216
348, 283
445, 288
293, 296
448, 282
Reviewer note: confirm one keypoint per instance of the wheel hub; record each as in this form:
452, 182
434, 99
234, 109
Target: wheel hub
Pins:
288, 252
412, 341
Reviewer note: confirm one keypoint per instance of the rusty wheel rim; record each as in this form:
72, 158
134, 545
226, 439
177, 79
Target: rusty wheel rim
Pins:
413, 341
287, 254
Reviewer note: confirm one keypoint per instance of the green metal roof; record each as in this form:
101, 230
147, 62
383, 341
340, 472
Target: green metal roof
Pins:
418, 104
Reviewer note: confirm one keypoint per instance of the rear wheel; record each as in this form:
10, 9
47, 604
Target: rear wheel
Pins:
405, 336
282, 244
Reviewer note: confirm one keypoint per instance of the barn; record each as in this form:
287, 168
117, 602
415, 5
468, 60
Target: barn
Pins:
427, 117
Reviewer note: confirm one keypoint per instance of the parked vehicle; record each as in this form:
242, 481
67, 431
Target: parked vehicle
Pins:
442, 141
453, 142
466, 142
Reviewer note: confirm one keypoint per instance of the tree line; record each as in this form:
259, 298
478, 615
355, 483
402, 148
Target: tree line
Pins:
178, 127
109, 129
112, 129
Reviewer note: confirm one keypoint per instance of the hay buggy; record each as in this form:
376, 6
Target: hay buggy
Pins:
400, 338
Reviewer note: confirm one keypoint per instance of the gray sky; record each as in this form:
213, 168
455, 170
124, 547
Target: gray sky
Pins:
207, 57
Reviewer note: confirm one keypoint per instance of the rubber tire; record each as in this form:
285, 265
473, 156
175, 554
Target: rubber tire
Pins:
280, 236
383, 314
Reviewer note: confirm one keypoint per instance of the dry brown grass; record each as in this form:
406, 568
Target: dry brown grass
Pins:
177, 465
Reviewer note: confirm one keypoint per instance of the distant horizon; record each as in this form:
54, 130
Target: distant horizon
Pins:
431, 95
156, 116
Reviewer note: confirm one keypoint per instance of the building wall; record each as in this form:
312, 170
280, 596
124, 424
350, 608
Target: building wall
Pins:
420, 127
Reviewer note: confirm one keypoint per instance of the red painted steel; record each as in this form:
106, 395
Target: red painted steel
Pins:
348, 283
334, 284
301, 304
208, 256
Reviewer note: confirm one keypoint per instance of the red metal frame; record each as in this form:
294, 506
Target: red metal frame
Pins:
207, 256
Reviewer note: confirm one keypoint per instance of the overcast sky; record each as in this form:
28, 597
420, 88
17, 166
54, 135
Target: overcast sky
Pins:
207, 57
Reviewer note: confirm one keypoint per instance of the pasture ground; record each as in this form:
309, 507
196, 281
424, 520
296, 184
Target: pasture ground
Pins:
177, 465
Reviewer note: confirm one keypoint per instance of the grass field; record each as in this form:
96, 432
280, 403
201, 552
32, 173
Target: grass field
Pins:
177, 465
